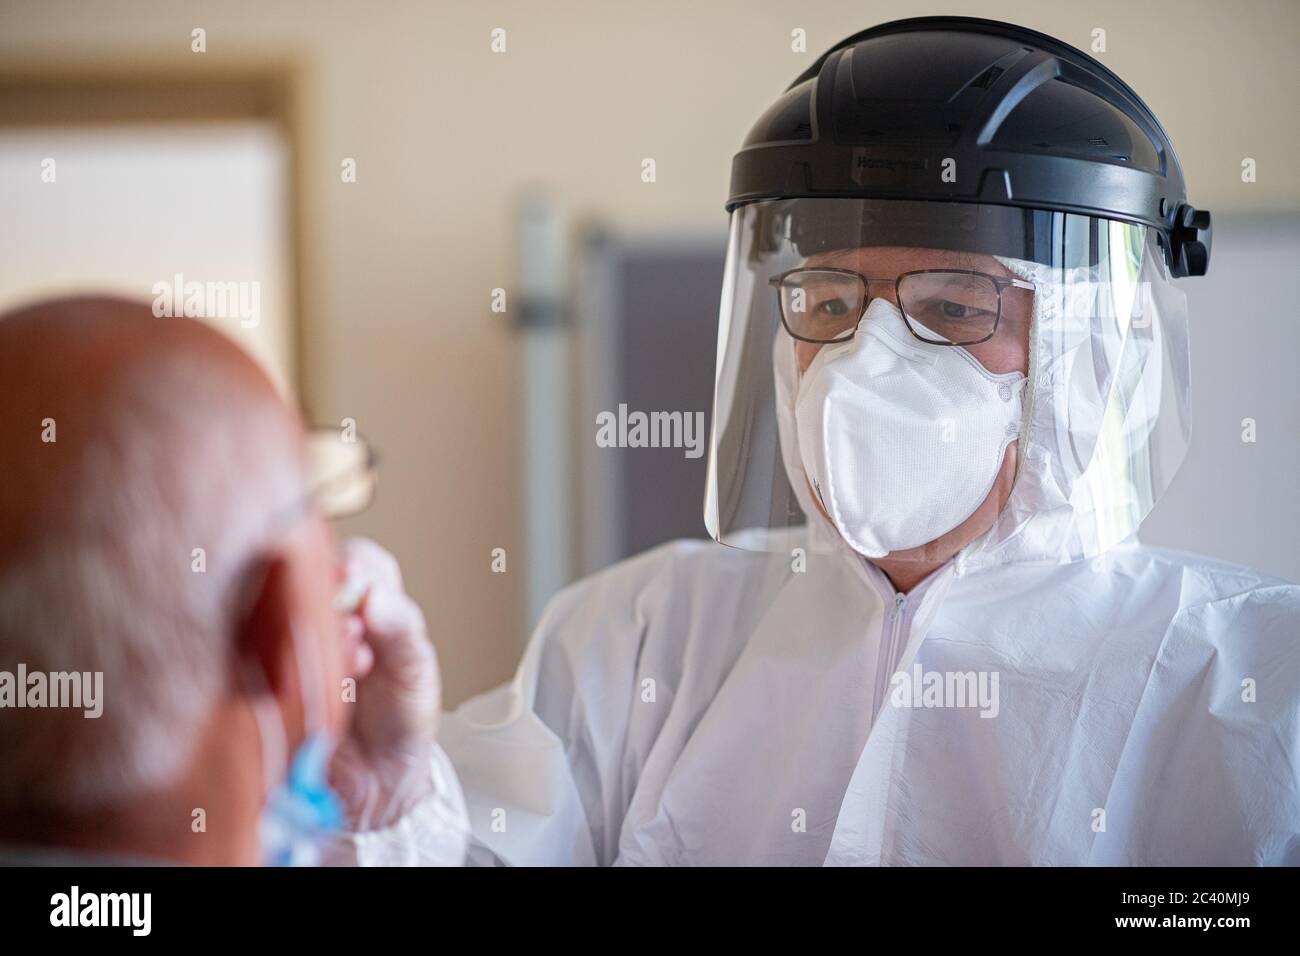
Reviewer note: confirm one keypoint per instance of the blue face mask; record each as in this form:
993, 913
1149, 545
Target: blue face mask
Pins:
303, 811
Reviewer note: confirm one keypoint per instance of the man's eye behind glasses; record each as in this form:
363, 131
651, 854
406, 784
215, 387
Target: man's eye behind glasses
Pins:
830, 319
951, 322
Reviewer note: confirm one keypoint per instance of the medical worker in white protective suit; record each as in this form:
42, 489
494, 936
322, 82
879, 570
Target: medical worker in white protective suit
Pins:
952, 381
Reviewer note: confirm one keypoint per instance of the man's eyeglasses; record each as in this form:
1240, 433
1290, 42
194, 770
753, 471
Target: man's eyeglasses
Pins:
341, 472
341, 478
941, 306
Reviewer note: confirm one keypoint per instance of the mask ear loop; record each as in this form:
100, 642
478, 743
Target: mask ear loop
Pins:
270, 726
1031, 274
1030, 383
313, 691
270, 723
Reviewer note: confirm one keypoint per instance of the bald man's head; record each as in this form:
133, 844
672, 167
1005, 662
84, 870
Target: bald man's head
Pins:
145, 460
86, 372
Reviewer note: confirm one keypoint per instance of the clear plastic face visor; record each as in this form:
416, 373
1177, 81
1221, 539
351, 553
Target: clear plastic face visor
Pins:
1077, 313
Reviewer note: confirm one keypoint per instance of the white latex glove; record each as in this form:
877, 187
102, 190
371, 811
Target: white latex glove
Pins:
388, 769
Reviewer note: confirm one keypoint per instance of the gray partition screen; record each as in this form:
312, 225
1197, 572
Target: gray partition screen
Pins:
647, 325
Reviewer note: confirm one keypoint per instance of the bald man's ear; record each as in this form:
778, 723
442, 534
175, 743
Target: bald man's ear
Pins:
265, 641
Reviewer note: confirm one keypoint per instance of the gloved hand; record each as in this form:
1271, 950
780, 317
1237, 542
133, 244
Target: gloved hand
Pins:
381, 769
403, 802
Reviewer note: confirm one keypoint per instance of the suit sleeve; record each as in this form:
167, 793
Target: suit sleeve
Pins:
541, 759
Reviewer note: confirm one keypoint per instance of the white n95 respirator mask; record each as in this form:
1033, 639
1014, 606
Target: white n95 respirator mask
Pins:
902, 440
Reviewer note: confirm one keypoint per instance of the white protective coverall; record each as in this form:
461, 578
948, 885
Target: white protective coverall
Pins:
700, 704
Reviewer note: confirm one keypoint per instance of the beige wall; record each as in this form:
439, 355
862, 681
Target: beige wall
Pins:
398, 267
